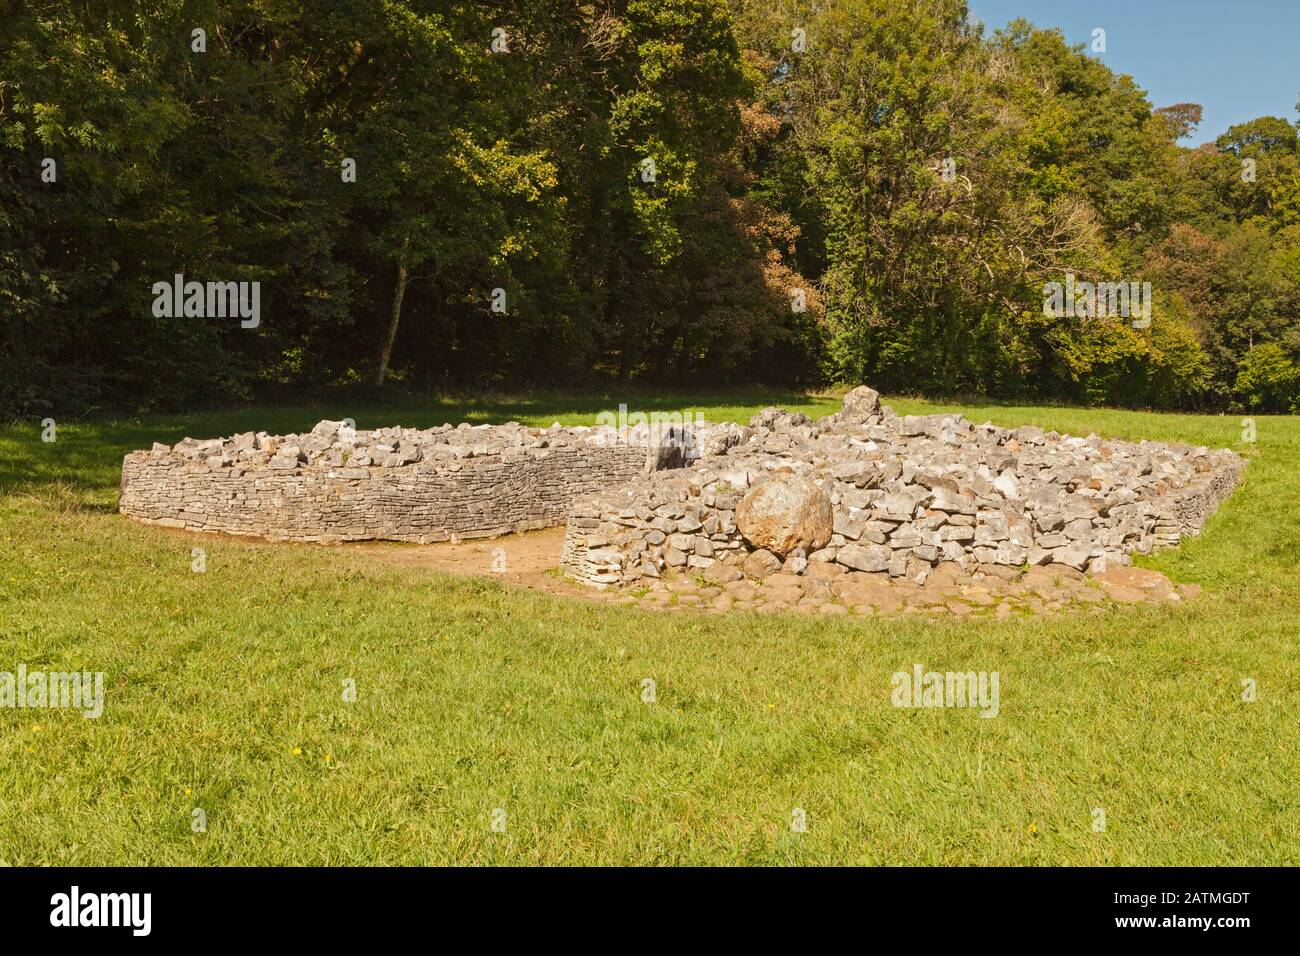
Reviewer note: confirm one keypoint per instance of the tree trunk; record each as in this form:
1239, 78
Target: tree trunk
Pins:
398, 294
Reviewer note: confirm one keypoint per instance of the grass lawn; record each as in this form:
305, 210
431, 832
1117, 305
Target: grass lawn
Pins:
224, 692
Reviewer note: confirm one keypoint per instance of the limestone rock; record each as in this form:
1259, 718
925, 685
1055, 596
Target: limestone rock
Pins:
861, 404
785, 513
865, 557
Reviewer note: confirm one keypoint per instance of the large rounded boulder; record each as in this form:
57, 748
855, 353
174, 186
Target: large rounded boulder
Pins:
785, 513
861, 404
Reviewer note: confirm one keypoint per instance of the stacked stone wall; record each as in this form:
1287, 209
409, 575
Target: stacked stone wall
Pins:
902, 495
254, 490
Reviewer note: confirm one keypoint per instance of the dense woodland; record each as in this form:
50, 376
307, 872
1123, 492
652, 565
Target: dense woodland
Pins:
648, 181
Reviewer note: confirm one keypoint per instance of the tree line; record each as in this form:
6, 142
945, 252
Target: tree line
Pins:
454, 195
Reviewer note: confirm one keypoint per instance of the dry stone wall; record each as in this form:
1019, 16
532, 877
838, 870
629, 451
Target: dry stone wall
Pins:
908, 494
867, 492
335, 484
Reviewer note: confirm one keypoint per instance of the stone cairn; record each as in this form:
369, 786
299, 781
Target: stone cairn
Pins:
862, 499
402, 484
865, 492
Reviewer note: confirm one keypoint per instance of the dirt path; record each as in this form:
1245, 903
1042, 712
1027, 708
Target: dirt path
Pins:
530, 560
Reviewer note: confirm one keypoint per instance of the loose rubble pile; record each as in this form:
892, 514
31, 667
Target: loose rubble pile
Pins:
335, 483
338, 445
867, 492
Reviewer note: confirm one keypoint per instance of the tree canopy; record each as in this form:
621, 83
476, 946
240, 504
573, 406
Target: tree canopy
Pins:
447, 194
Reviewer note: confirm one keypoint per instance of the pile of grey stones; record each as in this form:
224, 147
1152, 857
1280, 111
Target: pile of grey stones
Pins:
337, 445
894, 495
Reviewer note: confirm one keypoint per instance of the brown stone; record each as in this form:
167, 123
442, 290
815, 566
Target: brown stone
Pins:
825, 569
760, 564
722, 573
1125, 595
1118, 581
785, 513
859, 590
741, 590
1065, 572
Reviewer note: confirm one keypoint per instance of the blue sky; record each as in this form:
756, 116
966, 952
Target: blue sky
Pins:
1238, 58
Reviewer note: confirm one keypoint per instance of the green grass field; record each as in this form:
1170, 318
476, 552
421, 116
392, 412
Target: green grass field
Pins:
224, 692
